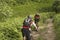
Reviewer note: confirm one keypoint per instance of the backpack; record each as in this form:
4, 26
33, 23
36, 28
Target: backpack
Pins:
26, 22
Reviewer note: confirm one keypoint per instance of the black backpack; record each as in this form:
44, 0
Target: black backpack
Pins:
26, 22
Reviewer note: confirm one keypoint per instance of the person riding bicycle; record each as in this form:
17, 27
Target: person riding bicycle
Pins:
37, 19
28, 22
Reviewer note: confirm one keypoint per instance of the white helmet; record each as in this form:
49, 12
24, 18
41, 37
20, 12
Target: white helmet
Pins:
29, 16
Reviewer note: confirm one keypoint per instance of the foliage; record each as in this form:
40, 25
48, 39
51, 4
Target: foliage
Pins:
57, 26
55, 6
44, 16
13, 12
5, 11
11, 29
9, 34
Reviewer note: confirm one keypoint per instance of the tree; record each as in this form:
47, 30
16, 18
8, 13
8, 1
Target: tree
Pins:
55, 6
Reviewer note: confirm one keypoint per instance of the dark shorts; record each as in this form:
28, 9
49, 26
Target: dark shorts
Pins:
26, 33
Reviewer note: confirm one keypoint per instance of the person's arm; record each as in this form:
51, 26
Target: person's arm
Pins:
34, 25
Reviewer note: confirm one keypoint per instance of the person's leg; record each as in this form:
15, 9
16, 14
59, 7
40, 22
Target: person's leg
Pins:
28, 37
23, 34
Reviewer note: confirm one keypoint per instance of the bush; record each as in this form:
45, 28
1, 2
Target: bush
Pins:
57, 26
10, 30
5, 11
44, 16
9, 34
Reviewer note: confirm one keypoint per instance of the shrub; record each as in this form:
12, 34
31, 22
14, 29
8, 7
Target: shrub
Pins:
57, 26
5, 11
44, 16
10, 30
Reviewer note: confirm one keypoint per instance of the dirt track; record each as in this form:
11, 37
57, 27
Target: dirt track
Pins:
47, 34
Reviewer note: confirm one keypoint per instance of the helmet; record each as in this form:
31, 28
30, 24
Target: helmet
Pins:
29, 16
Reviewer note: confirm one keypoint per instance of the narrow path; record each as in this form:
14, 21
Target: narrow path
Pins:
35, 35
47, 34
